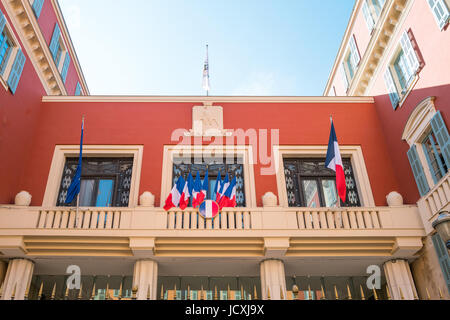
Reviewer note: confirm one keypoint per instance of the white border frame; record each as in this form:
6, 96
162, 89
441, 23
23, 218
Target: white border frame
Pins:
353, 152
183, 151
63, 151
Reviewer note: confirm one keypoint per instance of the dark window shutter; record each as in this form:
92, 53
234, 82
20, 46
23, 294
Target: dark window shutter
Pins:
16, 71
54, 43
443, 257
441, 133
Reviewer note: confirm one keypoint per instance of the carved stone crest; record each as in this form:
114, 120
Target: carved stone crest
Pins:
207, 121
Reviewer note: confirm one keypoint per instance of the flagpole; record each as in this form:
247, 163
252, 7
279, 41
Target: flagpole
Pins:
207, 59
338, 199
78, 196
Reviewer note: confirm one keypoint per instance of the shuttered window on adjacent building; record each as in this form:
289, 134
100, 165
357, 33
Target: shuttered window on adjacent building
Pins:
37, 7
443, 257
440, 11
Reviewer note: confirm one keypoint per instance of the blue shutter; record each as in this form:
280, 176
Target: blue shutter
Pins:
2, 21
418, 172
37, 7
444, 259
65, 68
78, 90
442, 137
54, 44
392, 89
16, 71
433, 175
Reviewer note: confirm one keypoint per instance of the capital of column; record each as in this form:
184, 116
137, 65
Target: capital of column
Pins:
145, 278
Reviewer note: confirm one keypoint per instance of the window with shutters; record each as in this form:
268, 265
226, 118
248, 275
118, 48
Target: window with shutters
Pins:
441, 12
37, 5
401, 73
12, 59
350, 62
59, 52
443, 257
105, 182
372, 10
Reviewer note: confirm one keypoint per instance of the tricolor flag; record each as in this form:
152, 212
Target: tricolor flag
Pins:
74, 188
229, 197
190, 183
215, 194
205, 187
184, 199
206, 85
223, 187
196, 191
334, 162
209, 209
175, 196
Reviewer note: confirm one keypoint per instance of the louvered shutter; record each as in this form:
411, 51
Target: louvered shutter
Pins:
2, 21
418, 172
78, 89
441, 133
354, 53
409, 53
443, 257
54, 43
392, 90
37, 7
65, 68
368, 16
16, 71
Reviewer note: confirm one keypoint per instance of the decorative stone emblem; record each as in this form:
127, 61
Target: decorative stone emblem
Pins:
207, 121
23, 198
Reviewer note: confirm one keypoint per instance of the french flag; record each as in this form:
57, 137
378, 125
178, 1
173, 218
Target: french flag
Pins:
223, 188
184, 199
176, 196
334, 162
229, 197
196, 191
216, 192
204, 191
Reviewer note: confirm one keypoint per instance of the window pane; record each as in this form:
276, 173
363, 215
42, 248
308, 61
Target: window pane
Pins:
86, 192
329, 193
311, 192
105, 193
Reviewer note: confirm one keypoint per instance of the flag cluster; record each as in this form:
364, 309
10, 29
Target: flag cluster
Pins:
224, 192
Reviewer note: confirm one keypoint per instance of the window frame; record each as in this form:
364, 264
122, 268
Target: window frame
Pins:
444, 23
352, 152
186, 151
62, 152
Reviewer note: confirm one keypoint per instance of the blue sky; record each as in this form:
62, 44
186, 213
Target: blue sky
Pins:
256, 47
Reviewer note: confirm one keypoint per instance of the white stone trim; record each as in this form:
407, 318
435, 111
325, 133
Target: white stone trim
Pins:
419, 121
243, 151
353, 152
63, 151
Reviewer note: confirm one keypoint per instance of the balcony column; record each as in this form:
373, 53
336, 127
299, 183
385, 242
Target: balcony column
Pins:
18, 276
145, 278
399, 279
273, 279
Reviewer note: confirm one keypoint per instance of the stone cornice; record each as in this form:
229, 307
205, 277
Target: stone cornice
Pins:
29, 32
208, 100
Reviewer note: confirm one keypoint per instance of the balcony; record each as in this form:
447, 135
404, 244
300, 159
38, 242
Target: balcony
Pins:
437, 200
236, 232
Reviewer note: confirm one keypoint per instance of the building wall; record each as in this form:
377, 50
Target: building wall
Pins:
151, 125
47, 21
18, 116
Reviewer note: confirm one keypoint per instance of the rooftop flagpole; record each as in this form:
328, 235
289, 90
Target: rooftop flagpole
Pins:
206, 84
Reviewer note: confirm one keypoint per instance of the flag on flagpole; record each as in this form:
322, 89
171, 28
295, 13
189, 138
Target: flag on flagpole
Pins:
174, 198
196, 191
334, 162
216, 193
223, 187
190, 183
205, 186
74, 188
229, 197
184, 199
206, 85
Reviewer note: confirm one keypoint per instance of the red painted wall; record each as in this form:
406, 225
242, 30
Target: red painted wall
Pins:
151, 125
18, 121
